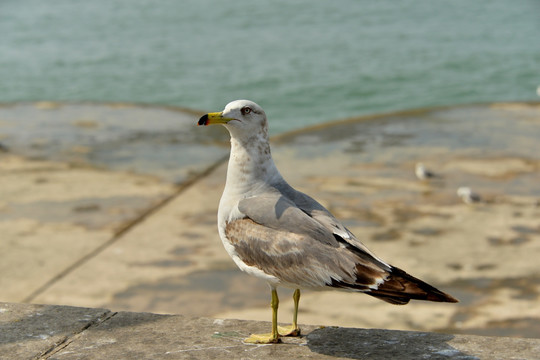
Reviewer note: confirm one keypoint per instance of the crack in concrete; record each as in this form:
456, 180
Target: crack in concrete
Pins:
180, 188
67, 340
57, 347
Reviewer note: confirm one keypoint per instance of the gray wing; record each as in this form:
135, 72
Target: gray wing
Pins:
319, 213
283, 207
283, 240
269, 209
315, 210
297, 258
298, 241
278, 212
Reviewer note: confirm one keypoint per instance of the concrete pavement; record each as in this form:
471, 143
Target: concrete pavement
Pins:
62, 332
79, 227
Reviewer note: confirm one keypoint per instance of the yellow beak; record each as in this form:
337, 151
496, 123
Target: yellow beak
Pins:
213, 118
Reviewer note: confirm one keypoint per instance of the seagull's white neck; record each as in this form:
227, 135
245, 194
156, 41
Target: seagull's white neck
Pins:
250, 166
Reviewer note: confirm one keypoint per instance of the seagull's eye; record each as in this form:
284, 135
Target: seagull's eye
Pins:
246, 110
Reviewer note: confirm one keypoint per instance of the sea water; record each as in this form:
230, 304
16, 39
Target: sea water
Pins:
305, 61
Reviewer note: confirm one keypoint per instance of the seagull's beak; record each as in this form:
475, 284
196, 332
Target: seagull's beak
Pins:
213, 118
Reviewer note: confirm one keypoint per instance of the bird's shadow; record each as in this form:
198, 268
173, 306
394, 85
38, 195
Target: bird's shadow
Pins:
382, 344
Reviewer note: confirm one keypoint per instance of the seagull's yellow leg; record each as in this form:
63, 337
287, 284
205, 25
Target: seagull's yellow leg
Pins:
292, 330
273, 337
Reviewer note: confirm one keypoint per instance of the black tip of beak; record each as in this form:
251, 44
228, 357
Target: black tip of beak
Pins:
203, 120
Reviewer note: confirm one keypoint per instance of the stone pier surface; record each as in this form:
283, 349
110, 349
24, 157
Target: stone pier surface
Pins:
63, 332
113, 206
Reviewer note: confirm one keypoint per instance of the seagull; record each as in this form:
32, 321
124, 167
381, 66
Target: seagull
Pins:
467, 195
285, 237
424, 174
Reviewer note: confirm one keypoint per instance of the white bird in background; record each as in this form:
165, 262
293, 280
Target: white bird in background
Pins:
423, 173
285, 237
467, 195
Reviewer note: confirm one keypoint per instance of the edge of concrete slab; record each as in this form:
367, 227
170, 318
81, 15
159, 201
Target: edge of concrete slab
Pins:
64, 332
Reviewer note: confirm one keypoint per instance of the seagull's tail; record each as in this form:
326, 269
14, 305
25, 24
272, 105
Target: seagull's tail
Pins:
399, 288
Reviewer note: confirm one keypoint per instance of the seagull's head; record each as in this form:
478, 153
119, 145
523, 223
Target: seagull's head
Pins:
241, 117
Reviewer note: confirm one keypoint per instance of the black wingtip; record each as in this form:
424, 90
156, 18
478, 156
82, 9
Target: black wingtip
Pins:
401, 284
203, 120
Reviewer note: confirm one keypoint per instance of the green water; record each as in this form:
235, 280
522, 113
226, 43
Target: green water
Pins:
304, 61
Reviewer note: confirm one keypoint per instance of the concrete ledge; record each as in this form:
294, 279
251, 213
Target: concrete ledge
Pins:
62, 332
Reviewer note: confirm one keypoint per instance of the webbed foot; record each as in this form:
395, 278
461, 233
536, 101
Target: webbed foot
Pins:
263, 339
289, 331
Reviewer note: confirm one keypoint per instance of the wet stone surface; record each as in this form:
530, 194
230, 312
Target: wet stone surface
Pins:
161, 141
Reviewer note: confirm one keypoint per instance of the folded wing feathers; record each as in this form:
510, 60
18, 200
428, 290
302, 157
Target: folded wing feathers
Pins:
296, 258
305, 245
